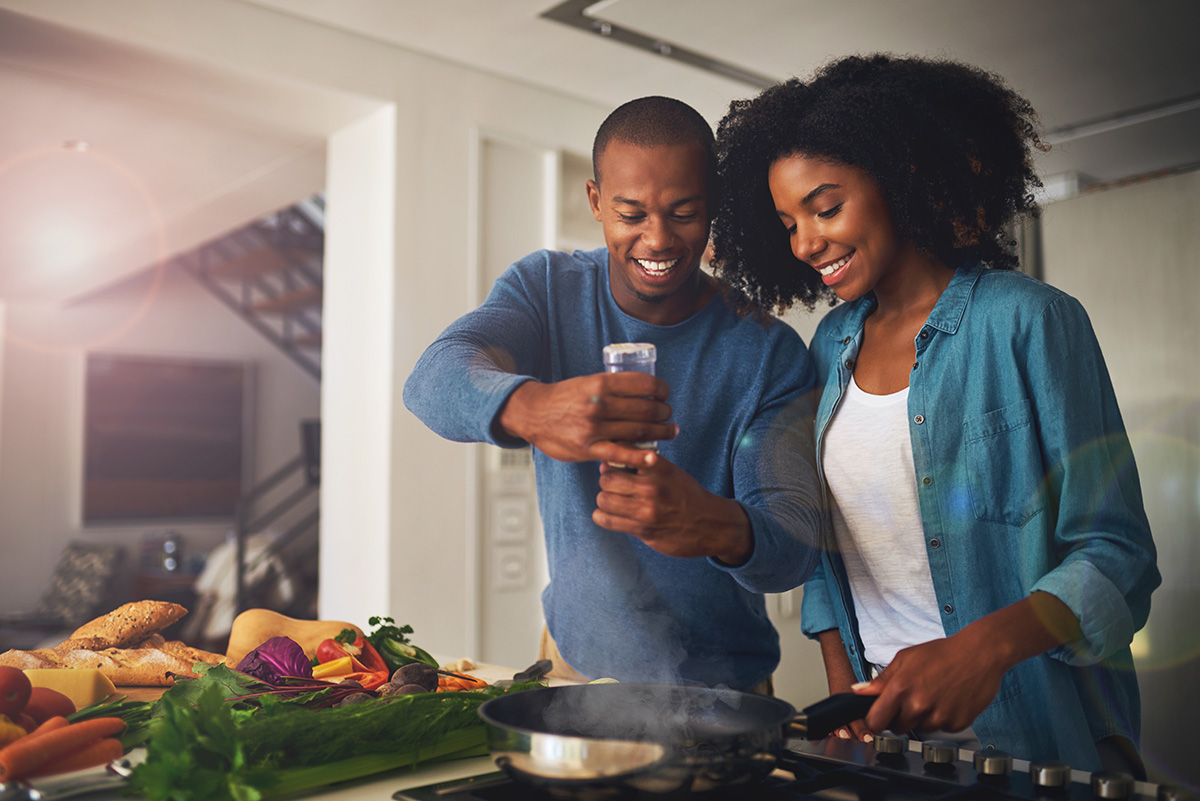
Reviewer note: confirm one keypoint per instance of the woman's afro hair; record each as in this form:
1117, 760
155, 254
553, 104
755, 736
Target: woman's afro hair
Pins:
950, 146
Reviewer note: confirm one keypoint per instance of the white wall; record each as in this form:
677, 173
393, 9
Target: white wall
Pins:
41, 412
1130, 255
357, 364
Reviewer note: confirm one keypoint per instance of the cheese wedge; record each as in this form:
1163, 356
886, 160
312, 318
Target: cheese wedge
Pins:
84, 686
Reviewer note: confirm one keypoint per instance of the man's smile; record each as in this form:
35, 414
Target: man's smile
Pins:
657, 268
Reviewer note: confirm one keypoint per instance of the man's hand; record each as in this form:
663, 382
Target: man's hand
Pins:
592, 417
668, 510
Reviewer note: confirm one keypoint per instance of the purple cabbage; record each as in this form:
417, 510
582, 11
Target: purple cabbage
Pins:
276, 658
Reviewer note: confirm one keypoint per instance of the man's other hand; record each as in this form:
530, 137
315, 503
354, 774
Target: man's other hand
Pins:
592, 417
668, 510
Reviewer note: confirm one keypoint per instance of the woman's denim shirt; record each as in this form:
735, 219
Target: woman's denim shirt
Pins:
1025, 481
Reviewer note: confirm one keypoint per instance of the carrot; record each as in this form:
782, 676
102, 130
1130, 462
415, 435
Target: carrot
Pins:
49, 725
18, 759
102, 751
449, 684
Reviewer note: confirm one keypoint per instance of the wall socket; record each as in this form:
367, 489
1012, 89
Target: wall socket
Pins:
510, 567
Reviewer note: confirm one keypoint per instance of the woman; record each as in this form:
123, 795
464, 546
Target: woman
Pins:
990, 557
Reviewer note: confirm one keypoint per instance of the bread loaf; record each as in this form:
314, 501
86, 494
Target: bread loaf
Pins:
127, 625
144, 667
124, 645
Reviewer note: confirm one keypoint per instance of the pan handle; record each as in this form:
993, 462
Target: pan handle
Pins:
822, 718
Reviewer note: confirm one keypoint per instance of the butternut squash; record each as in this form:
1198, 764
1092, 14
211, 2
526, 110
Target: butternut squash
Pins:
255, 626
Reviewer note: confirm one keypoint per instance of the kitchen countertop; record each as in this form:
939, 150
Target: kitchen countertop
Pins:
378, 787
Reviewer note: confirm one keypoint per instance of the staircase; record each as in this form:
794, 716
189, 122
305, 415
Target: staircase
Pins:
269, 273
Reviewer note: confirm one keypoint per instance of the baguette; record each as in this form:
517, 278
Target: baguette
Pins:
136, 667
126, 625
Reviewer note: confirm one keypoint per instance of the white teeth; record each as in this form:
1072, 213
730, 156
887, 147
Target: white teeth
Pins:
657, 267
837, 265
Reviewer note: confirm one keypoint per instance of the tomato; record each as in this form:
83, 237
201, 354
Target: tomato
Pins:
25, 722
45, 703
330, 650
14, 691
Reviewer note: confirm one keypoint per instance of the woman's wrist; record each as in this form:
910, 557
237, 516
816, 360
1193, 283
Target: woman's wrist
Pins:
1022, 630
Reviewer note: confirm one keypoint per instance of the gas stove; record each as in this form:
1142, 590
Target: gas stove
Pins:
891, 769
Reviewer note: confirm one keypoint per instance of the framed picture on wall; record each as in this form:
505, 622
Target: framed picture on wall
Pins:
165, 438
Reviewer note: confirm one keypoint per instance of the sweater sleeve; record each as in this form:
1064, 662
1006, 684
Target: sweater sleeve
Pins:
1106, 562
775, 478
463, 379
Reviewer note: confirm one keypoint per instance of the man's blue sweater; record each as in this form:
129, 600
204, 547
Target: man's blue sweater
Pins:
739, 393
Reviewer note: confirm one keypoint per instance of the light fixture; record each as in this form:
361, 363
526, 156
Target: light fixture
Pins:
76, 145
581, 14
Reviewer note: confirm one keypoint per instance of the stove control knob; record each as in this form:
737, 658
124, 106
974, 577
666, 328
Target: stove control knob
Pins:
888, 743
1112, 785
1049, 774
939, 752
993, 763
1169, 792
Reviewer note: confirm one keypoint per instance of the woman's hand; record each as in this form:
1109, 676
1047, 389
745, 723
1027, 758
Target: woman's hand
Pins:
942, 684
945, 684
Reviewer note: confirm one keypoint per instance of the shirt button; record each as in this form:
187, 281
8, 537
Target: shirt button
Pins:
920, 418
935, 543
927, 481
849, 364
948, 609
915, 365
924, 335
846, 341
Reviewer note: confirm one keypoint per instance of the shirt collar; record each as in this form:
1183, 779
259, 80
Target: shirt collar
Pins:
947, 313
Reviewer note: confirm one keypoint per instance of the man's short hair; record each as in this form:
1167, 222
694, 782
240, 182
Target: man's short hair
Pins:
654, 121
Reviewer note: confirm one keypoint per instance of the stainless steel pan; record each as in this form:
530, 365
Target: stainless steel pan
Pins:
648, 740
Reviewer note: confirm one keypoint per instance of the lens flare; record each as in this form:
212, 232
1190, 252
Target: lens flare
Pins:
61, 240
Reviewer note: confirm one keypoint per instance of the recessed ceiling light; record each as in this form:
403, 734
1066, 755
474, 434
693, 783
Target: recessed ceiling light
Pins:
78, 145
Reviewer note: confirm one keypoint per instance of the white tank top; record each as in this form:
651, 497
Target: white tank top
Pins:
877, 522
869, 468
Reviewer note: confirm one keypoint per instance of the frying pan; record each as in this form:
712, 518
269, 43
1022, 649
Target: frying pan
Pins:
648, 740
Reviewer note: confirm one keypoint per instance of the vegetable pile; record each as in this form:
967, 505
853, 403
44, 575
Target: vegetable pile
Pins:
280, 723
284, 721
204, 747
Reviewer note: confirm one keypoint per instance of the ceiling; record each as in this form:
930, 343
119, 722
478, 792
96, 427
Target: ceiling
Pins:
191, 148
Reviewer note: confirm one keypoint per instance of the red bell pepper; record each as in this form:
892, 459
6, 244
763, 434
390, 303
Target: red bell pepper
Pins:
368, 680
370, 658
369, 669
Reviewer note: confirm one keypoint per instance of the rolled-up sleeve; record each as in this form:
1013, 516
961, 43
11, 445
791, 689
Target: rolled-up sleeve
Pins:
1105, 561
817, 612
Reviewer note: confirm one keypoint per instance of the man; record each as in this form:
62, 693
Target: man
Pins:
656, 571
